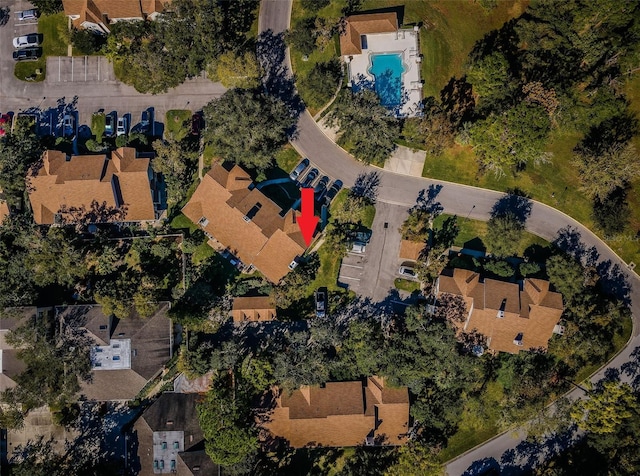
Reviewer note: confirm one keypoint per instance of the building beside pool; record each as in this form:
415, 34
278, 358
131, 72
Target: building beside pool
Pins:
380, 54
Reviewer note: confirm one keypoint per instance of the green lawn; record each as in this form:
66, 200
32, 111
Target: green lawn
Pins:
202, 253
97, 125
54, 43
406, 285
181, 222
177, 124
287, 158
472, 230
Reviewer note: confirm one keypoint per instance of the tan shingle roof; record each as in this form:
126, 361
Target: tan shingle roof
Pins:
259, 308
267, 240
342, 414
64, 182
532, 311
410, 249
357, 25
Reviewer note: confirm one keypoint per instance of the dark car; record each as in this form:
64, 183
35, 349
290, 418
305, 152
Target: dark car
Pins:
110, 124
301, 167
333, 190
321, 302
310, 178
145, 121
197, 122
321, 188
69, 126
27, 54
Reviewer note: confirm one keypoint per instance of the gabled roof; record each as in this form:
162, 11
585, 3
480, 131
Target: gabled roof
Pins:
63, 182
150, 343
357, 25
503, 310
230, 209
173, 412
411, 249
258, 308
342, 414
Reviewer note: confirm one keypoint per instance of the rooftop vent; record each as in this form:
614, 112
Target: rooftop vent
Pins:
518, 339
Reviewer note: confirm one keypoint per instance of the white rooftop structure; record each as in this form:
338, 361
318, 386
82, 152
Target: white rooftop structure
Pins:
166, 446
115, 356
403, 43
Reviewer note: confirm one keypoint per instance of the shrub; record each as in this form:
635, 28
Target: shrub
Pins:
500, 268
87, 42
529, 269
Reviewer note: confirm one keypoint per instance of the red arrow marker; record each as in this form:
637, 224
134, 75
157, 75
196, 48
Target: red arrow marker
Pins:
307, 221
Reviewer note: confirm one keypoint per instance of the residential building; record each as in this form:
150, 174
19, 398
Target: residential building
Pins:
121, 187
253, 309
512, 316
241, 221
97, 15
127, 352
353, 40
167, 439
410, 250
341, 414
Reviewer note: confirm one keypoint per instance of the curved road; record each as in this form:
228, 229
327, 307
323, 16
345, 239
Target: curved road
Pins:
462, 200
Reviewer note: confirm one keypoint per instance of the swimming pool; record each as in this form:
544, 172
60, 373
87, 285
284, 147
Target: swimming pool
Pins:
387, 70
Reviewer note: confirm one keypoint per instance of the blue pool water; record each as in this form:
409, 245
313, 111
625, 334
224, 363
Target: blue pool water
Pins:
387, 70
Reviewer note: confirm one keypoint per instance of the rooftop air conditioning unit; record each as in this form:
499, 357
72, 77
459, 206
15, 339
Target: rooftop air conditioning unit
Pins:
293, 265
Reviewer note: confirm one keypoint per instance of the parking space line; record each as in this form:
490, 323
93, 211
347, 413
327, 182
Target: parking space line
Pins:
347, 277
85, 68
59, 67
352, 266
72, 69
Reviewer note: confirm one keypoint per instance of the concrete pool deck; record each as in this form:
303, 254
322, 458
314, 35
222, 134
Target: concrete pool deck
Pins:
404, 42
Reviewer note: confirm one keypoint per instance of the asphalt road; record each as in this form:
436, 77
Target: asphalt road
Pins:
462, 200
16, 95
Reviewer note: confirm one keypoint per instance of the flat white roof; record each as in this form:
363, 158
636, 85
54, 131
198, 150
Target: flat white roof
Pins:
115, 356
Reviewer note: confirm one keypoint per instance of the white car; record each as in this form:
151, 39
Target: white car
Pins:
33, 39
31, 14
122, 127
358, 247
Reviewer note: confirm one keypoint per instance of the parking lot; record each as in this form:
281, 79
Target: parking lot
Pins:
352, 270
63, 69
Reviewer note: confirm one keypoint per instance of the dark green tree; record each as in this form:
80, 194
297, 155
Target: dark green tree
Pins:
366, 128
504, 233
247, 127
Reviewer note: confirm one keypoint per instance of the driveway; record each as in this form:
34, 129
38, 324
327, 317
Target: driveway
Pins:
462, 200
99, 91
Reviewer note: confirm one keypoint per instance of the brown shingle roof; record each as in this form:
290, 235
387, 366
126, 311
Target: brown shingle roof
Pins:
356, 25
341, 414
532, 311
76, 182
267, 240
259, 308
410, 249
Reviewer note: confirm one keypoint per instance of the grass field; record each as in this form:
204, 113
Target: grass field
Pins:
287, 158
177, 124
54, 43
97, 126
472, 230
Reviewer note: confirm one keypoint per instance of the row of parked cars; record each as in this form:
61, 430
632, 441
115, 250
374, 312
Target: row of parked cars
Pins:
313, 178
27, 46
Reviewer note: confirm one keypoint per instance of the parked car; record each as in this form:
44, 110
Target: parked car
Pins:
69, 126
32, 39
333, 191
123, 126
5, 124
321, 188
27, 54
301, 167
197, 123
358, 247
362, 236
110, 123
408, 271
321, 302
25, 15
145, 121
310, 178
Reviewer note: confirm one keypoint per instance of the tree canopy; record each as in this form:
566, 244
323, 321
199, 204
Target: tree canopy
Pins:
247, 127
